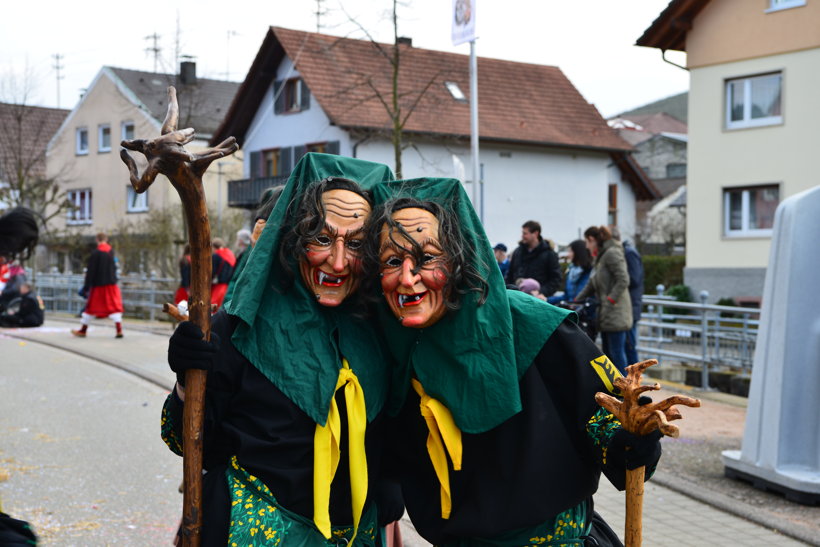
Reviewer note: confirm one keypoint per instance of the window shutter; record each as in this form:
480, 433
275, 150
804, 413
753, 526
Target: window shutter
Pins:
305, 95
256, 163
332, 147
278, 97
285, 161
298, 152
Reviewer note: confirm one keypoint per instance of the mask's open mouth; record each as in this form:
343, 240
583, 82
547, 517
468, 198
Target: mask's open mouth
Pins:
327, 280
404, 300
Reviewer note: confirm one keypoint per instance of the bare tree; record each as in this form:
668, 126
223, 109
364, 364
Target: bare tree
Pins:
26, 132
397, 103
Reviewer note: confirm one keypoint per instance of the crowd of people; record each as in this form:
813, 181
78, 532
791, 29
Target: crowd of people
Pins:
603, 280
369, 358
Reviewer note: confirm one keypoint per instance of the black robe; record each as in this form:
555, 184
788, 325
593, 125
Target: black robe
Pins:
249, 417
521, 473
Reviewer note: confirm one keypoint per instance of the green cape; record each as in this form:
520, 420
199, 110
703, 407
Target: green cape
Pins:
295, 342
473, 358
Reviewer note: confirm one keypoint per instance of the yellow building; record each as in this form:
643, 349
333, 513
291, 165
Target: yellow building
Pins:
753, 121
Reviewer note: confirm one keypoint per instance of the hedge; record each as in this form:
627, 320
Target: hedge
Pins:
667, 270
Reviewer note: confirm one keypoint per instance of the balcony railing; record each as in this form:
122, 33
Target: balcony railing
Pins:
245, 193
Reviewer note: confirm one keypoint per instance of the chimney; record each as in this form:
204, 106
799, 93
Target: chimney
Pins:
187, 73
405, 40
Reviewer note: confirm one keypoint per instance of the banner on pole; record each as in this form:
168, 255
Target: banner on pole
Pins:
463, 21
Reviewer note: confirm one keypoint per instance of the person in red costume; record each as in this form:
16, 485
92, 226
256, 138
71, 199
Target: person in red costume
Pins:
224, 262
101, 289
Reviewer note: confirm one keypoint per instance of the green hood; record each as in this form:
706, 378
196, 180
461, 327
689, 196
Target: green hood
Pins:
473, 358
295, 342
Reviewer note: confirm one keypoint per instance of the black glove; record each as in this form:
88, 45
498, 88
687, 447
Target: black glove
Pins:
630, 451
187, 350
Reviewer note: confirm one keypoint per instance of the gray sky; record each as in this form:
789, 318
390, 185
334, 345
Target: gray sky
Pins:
592, 41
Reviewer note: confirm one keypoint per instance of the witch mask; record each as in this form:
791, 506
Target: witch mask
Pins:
331, 264
413, 267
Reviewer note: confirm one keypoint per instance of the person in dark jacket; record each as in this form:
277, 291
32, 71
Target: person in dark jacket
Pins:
498, 438
534, 258
30, 312
101, 289
634, 267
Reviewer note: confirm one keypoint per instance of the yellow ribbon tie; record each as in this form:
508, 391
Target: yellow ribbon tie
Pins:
441, 425
326, 452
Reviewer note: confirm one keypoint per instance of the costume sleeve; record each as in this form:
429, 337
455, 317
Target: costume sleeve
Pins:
219, 388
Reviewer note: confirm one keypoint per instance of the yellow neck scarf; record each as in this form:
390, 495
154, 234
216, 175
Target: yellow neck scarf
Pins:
441, 425
326, 452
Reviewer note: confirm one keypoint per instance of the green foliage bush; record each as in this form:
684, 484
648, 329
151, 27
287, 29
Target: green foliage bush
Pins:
667, 270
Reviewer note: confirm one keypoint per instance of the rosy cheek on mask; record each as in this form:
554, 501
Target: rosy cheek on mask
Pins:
316, 258
434, 280
390, 281
355, 265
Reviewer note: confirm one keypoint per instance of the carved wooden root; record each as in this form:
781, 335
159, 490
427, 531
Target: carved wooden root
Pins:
166, 155
638, 419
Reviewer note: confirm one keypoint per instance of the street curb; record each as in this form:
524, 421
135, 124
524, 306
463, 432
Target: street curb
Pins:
155, 379
734, 507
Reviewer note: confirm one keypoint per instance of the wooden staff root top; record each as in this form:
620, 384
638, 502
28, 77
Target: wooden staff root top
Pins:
643, 419
166, 155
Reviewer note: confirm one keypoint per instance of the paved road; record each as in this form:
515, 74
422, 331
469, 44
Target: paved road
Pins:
80, 453
85, 465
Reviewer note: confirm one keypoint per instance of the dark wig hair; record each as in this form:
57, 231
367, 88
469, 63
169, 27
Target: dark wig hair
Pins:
463, 274
580, 255
18, 233
307, 220
267, 201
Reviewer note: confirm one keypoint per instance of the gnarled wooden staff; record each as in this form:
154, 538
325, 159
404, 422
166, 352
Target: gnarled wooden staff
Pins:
641, 420
167, 155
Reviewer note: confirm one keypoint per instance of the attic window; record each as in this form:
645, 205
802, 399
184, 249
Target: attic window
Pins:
455, 91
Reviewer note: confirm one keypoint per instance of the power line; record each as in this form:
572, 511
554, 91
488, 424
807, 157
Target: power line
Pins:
57, 67
319, 12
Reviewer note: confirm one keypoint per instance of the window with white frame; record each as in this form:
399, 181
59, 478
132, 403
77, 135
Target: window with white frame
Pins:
82, 141
134, 202
80, 209
127, 131
754, 101
749, 211
777, 5
104, 138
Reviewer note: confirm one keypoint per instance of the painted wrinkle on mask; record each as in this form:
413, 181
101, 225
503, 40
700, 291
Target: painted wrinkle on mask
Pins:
414, 294
331, 265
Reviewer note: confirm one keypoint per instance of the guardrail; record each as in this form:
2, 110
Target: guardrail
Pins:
142, 295
711, 335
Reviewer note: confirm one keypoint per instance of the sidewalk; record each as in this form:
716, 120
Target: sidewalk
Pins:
688, 502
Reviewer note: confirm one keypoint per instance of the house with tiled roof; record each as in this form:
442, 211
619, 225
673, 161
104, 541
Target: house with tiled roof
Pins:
126, 104
752, 129
660, 141
24, 134
546, 153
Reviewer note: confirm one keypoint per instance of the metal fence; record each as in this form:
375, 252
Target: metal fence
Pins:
698, 333
142, 295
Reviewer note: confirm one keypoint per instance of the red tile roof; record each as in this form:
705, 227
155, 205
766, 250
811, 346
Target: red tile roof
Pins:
669, 30
25, 132
518, 102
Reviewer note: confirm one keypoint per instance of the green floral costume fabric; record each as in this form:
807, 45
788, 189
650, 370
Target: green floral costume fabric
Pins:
257, 519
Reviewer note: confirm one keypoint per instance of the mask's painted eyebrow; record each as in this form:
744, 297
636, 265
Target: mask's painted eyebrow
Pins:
333, 232
396, 247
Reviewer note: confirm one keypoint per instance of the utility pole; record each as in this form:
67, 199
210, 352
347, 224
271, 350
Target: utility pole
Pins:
155, 49
319, 12
57, 67
228, 54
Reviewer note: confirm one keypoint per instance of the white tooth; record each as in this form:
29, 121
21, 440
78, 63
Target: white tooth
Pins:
401, 300
322, 276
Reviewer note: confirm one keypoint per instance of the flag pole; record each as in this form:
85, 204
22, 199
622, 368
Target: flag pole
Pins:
474, 131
